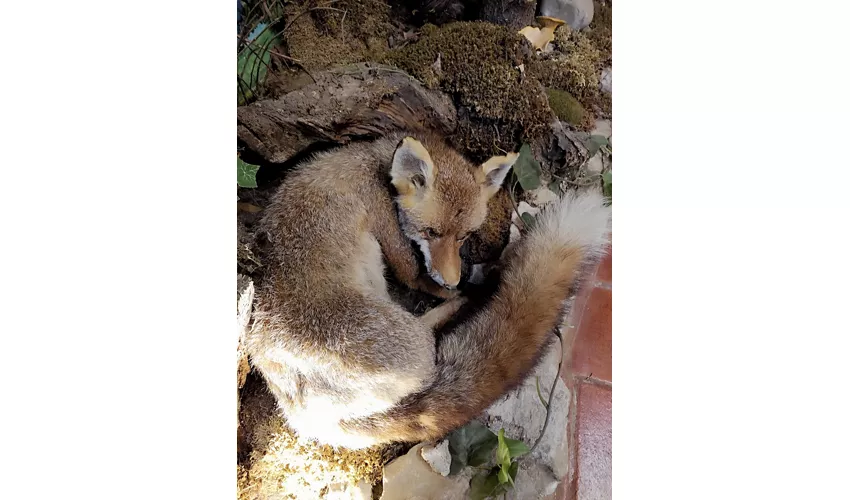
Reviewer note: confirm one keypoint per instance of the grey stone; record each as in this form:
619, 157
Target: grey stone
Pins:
605, 80
438, 457
576, 13
522, 415
409, 477
602, 127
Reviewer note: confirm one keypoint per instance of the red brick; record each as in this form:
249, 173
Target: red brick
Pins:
570, 329
593, 432
592, 345
603, 272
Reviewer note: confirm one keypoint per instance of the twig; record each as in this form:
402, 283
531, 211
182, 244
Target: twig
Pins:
342, 26
513, 201
551, 394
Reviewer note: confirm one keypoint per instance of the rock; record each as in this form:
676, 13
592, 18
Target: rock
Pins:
541, 196
595, 164
602, 127
605, 80
522, 415
420, 474
438, 457
409, 477
576, 13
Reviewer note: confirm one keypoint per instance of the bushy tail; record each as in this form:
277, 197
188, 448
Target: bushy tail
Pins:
484, 357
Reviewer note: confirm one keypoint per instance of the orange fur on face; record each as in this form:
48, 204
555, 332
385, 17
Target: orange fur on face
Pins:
442, 199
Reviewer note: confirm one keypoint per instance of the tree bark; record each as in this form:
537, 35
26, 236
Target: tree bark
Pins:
359, 101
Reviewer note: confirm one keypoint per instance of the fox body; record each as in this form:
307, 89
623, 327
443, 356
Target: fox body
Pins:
352, 368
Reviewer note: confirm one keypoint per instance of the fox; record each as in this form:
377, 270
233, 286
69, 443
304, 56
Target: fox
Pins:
351, 368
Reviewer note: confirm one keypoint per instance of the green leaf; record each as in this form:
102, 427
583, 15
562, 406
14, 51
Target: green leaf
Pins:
594, 143
503, 453
472, 444
542, 401
514, 470
555, 187
516, 447
504, 477
252, 62
246, 174
527, 169
606, 183
528, 220
484, 485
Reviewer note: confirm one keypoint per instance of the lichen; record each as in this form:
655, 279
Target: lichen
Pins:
500, 106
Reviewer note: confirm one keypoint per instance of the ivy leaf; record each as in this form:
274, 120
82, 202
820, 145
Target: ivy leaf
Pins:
555, 187
528, 220
516, 447
253, 61
504, 477
503, 453
484, 485
606, 184
594, 143
472, 444
527, 169
513, 471
246, 174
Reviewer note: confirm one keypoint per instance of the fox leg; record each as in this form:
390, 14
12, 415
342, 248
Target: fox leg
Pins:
438, 316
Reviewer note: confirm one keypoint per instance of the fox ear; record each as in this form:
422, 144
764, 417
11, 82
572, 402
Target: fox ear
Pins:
492, 173
412, 167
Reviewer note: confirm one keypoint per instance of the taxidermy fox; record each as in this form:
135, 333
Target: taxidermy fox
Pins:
352, 368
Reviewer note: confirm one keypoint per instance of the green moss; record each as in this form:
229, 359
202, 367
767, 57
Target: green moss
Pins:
567, 107
499, 106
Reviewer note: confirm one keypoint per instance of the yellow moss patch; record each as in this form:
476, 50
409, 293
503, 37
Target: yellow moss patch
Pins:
282, 465
274, 463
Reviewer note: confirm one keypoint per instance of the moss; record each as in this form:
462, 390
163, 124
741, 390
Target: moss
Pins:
349, 31
573, 66
599, 30
499, 107
279, 464
567, 108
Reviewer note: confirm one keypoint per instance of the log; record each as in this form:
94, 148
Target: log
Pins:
360, 101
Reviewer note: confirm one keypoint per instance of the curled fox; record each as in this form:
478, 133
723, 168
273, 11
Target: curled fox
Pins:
352, 368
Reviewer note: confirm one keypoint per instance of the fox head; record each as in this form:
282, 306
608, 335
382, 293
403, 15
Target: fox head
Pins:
442, 198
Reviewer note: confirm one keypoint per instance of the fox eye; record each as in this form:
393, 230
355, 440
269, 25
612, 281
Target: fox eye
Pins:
430, 234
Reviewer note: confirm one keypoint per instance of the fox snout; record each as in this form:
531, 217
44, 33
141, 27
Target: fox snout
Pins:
444, 266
